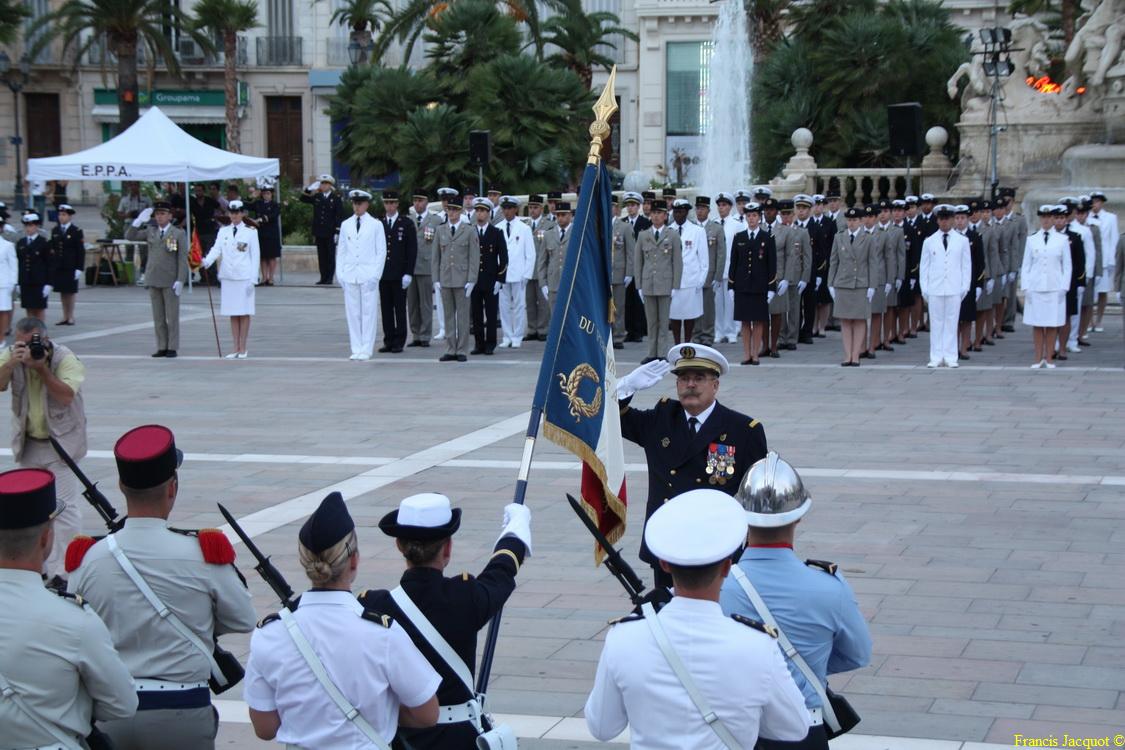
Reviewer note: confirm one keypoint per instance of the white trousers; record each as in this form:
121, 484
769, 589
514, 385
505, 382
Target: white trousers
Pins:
513, 311
944, 312
361, 305
39, 454
1072, 339
725, 327
439, 315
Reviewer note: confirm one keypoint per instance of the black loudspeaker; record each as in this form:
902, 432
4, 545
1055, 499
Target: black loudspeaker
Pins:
904, 123
480, 147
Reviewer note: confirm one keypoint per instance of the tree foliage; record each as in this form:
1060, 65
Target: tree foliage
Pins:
583, 38
841, 67
12, 15
226, 19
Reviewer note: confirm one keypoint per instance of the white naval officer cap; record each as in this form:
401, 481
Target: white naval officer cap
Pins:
31, 217
632, 197
482, 203
1046, 209
681, 203
743, 194
927, 198
445, 192
235, 205
961, 208
66, 207
509, 201
724, 196
802, 199
359, 195
763, 191
697, 357
699, 527
327, 178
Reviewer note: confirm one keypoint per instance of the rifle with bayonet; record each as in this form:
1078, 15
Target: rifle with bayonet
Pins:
614, 562
91, 492
270, 574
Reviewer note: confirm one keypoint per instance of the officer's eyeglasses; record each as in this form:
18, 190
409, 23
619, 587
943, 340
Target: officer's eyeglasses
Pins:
692, 378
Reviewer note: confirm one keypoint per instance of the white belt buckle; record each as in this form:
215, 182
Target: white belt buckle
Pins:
816, 717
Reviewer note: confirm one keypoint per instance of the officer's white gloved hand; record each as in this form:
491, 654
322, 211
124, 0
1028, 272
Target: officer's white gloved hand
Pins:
730, 296
979, 290
1118, 297
77, 275
641, 294
437, 287
782, 287
870, 294
898, 284
886, 289
312, 188
47, 290
770, 296
645, 376
818, 280
517, 523
546, 291
142, 218
406, 279
628, 280
469, 289
496, 287
832, 292
176, 287
990, 285
1081, 290
913, 282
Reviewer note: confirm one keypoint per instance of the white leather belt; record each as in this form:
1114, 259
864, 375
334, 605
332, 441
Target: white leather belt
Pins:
816, 717
153, 686
468, 711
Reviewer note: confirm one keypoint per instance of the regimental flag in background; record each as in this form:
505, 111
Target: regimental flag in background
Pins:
578, 377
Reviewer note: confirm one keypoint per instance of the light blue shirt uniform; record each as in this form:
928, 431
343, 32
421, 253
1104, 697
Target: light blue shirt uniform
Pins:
816, 609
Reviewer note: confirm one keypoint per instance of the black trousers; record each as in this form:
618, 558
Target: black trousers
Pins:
635, 324
808, 309
326, 258
816, 740
392, 304
484, 316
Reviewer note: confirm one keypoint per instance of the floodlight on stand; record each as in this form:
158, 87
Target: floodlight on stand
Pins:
990, 68
1005, 68
1004, 35
988, 35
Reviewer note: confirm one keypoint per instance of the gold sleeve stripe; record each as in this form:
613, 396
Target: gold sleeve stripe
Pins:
510, 554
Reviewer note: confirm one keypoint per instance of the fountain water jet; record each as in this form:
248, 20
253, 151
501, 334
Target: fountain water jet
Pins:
726, 143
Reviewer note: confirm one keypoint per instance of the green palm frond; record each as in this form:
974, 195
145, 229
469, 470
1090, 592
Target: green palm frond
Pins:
12, 15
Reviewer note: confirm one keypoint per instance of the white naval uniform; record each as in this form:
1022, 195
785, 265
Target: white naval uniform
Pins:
944, 277
521, 266
378, 669
687, 301
361, 254
236, 247
725, 327
1110, 235
58, 657
739, 670
9, 276
1045, 279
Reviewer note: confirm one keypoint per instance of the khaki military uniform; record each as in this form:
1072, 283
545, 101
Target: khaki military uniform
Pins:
549, 263
659, 266
538, 312
420, 293
456, 262
850, 274
167, 264
800, 248
624, 248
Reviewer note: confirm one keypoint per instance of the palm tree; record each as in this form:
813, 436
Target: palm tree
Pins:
363, 17
12, 15
432, 148
227, 19
124, 27
467, 35
582, 38
766, 24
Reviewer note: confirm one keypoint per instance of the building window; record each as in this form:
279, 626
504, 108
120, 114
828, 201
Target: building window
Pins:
687, 87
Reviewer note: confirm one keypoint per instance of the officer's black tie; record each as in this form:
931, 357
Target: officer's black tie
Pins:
945, 240
693, 425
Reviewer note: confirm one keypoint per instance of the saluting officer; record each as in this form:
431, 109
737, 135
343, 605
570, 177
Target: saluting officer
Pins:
166, 596
56, 656
691, 442
166, 273
420, 293
328, 212
810, 602
69, 247
689, 677
332, 674
454, 609
456, 263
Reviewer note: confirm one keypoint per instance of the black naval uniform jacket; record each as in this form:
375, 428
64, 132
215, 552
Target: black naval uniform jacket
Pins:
678, 460
457, 607
753, 263
69, 249
402, 248
328, 212
36, 268
979, 276
1077, 270
493, 258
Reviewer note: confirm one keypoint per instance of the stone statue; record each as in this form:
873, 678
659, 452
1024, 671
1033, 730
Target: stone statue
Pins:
1029, 58
1095, 50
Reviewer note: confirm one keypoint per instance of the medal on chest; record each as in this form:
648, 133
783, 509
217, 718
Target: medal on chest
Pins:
720, 463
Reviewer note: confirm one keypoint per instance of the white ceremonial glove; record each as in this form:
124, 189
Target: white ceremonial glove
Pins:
730, 296
801, 286
546, 291
469, 289
1081, 290
142, 217
312, 187
1118, 297
641, 294
870, 294
818, 280
437, 287
496, 288
1011, 277
249, 291
913, 282
645, 376
674, 293
770, 296
177, 287
77, 275
886, 289
990, 286
832, 292
716, 286
979, 290
517, 523
898, 284
406, 279
782, 287
47, 290
628, 280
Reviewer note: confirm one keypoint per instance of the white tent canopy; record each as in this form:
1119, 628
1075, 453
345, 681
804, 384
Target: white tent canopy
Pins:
152, 149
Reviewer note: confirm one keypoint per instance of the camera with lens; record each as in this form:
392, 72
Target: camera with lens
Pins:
36, 348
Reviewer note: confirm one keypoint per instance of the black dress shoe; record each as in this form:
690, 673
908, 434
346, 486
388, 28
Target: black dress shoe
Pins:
424, 344
1084, 343
384, 349
476, 351
489, 352
832, 328
629, 339
755, 362
323, 283
819, 336
161, 353
396, 350
977, 348
170, 354
415, 343
867, 355
747, 361
447, 358
888, 348
805, 340
789, 347
962, 356
989, 342
900, 341
911, 335
853, 364
1008, 329
617, 345
775, 355
845, 364
462, 358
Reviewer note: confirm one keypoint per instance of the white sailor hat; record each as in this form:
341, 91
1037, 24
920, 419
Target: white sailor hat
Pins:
742, 194
235, 205
763, 192
697, 357
681, 203
926, 197
359, 195
961, 208
1059, 210
445, 191
910, 199
802, 199
66, 207
31, 217
327, 178
898, 203
1098, 195
424, 517
509, 201
753, 207
1046, 209
632, 197
699, 527
482, 203
722, 196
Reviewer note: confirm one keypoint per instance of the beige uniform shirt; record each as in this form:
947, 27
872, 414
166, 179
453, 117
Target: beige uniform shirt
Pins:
659, 263
209, 599
716, 251
549, 263
624, 246
59, 658
167, 257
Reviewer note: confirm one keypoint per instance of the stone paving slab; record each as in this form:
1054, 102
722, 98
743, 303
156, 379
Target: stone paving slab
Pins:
997, 606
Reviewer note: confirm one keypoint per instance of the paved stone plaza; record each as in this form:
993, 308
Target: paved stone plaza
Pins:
978, 513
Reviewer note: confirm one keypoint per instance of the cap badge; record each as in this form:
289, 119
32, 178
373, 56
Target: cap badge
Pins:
687, 352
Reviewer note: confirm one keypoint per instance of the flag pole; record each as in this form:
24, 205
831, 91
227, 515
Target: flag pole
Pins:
604, 108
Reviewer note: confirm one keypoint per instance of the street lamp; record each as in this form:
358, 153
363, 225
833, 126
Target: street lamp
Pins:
359, 51
16, 78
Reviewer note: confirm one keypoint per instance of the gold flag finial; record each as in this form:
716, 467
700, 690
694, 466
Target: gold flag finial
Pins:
604, 108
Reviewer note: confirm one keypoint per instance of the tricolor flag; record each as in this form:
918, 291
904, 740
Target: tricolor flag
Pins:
578, 377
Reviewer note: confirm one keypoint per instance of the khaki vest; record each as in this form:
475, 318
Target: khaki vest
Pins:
66, 422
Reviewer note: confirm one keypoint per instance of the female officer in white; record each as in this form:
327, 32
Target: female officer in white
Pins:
361, 253
367, 657
236, 246
1044, 280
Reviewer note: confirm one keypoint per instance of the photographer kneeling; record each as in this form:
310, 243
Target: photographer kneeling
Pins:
46, 402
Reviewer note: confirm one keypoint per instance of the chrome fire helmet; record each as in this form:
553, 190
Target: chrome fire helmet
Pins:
772, 493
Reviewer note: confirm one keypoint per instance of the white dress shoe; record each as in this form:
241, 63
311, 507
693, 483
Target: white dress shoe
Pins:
363, 357
243, 355
932, 365
232, 355
1038, 366
1051, 365
1073, 348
